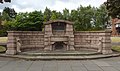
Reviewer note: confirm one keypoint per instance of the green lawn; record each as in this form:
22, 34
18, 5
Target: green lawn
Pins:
3, 39
115, 39
116, 48
2, 49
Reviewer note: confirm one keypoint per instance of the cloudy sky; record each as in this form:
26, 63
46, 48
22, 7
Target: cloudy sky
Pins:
59, 5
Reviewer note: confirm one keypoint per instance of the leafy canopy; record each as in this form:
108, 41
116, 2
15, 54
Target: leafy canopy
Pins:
84, 18
113, 7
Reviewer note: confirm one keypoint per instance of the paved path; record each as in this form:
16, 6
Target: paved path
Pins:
109, 64
115, 43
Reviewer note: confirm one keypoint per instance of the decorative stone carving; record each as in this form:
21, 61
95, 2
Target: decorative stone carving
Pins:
18, 45
100, 47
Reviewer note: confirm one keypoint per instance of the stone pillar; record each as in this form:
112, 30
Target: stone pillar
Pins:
11, 44
48, 33
107, 43
70, 34
71, 42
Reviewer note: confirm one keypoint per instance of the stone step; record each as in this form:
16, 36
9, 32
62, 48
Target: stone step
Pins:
60, 54
61, 57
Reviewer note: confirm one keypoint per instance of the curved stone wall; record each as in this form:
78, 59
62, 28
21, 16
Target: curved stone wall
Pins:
29, 40
97, 40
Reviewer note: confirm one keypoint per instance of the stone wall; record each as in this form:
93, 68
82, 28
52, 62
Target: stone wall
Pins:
94, 40
97, 40
28, 39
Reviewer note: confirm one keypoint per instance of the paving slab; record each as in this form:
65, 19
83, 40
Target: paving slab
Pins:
101, 63
93, 68
109, 68
9, 66
81, 68
108, 64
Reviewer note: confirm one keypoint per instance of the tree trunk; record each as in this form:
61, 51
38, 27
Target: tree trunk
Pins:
113, 28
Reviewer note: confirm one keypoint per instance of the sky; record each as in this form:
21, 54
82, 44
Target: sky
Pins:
58, 5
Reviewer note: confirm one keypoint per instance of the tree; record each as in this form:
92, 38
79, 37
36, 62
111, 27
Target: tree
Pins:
113, 7
66, 14
26, 22
7, 0
47, 14
4, 17
101, 17
89, 18
0, 21
0, 18
1, 1
36, 17
73, 15
8, 13
59, 15
83, 18
54, 15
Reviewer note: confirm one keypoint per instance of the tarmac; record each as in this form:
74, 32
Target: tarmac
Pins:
106, 64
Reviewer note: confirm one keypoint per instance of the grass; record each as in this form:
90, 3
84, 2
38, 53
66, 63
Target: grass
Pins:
116, 48
115, 39
3, 39
2, 49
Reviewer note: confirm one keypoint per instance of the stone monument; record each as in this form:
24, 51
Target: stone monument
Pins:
59, 35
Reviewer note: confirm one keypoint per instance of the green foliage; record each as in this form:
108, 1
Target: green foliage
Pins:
54, 15
116, 48
66, 14
26, 22
6, 16
113, 7
101, 18
2, 49
8, 13
3, 33
89, 18
84, 18
47, 14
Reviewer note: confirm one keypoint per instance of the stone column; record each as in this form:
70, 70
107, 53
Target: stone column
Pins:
107, 43
48, 33
11, 44
71, 42
70, 34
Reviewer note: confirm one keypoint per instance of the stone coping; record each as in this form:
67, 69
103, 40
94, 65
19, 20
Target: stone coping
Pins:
74, 31
92, 31
25, 31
